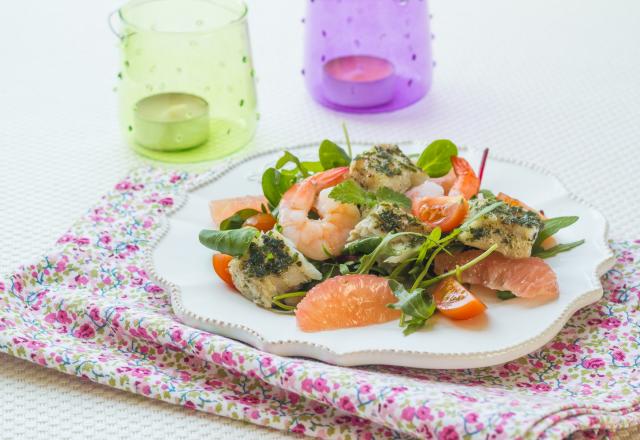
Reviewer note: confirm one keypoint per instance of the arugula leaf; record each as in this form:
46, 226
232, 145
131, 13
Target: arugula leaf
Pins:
385, 194
275, 184
237, 220
412, 303
504, 295
350, 192
290, 158
487, 194
362, 246
435, 160
332, 156
553, 225
552, 252
234, 242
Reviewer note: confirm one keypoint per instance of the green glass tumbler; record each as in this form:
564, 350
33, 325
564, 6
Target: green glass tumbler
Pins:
186, 87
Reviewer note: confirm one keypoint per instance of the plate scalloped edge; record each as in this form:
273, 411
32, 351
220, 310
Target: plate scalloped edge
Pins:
408, 358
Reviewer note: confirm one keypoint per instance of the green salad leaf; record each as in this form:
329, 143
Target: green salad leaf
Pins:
290, 158
553, 225
332, 156
435, 160
385, 194
362, 246
416, 303
504, 295
275, 184
234, 242
555, 250
237, 220
350, 192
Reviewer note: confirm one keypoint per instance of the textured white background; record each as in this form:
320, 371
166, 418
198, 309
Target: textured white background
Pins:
553, 82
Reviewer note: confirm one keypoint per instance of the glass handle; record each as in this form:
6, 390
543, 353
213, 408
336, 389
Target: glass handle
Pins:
114, 28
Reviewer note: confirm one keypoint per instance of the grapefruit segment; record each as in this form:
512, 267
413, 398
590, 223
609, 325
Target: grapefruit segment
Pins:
346, 301
524, 277
224, 208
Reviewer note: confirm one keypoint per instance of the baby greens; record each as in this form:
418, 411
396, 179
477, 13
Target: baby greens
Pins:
555, 250
417, 304
435, 160
237, 220
553, 225
332, 156
234, 242
350, 192
275, 184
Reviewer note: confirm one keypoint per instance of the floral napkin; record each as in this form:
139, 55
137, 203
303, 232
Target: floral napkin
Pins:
89, 308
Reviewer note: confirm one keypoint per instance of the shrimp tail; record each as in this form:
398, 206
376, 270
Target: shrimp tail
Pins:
467, 183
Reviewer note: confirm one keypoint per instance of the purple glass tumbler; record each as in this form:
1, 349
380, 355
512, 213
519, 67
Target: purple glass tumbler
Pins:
367, 56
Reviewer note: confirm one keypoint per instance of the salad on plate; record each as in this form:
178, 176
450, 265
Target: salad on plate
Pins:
349, 241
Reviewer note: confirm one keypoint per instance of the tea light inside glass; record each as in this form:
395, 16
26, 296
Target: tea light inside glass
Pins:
359, 81
171, 121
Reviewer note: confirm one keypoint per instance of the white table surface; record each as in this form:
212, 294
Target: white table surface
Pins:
553, 82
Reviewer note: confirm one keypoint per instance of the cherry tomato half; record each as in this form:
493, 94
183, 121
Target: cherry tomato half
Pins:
454, 301
221, 266
263, 222
447, 212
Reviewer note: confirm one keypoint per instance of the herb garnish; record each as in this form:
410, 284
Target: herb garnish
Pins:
351, 192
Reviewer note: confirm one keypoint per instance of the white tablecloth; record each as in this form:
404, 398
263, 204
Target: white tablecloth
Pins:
554, 83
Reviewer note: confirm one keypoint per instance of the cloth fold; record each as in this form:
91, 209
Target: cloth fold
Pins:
89, 308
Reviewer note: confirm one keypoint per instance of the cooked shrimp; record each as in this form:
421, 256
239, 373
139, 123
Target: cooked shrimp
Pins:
446, 181
316, 238
467, 183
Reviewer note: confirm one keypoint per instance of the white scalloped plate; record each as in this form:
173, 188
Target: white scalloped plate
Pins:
508, 330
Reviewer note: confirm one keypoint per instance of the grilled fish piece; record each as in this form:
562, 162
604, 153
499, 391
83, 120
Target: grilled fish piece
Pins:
386, 165
384, 219
387, 218
270, 267
512, 228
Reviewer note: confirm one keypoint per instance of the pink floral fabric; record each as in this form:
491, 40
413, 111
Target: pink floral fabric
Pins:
90, 309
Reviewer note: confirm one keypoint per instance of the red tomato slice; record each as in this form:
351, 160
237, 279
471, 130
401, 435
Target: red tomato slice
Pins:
221, 266
447, 212
456, 302
263, 222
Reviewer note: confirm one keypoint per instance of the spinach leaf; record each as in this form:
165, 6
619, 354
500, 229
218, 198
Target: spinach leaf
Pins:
275, 184
553, 225
416, 303
362, 246
350, 192
290, 158
237, 220
312, 167
435, 160
552, 252
504, 295
332, 156
234, 242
